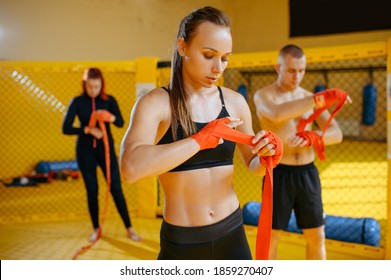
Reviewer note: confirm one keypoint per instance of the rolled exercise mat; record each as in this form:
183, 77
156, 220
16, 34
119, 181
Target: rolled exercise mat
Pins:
47, 166
347, 229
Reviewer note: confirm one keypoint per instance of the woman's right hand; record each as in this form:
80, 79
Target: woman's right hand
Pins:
96, 132
205, 137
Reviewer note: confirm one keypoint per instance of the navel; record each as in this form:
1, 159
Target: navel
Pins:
297, 157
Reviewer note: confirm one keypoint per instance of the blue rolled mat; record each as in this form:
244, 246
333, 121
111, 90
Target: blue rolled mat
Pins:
355, 230
47, 166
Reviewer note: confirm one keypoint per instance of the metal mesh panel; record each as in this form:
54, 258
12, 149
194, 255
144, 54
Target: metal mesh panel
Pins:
354, 175
35, 95
35, 98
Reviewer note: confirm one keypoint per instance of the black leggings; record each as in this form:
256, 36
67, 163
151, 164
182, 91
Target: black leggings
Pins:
224, 240
88, 159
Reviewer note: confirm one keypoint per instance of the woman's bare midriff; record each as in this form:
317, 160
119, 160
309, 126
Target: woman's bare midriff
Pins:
198, 197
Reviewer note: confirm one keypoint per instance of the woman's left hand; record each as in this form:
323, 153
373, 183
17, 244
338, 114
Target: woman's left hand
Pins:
263, 146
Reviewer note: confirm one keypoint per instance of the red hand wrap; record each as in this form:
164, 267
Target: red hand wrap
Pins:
206, 137
266, 215
313, 139
104, 116
98, 117
93, 119
326, 98
323, 100
221, 130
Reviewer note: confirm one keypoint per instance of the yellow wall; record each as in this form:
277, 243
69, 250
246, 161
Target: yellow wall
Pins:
126, 29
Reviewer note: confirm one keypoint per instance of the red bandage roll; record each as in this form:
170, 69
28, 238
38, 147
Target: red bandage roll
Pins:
221, 130
266, 216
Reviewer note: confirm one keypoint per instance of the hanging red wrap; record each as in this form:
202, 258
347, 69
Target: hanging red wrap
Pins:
221, 130
323, 100
101, 117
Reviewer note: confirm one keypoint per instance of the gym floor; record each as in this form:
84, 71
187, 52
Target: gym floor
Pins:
61, 240
58, 236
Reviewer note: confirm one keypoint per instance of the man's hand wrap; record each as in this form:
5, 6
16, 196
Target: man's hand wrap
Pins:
314, 139
206, 137
323, 100
326, 98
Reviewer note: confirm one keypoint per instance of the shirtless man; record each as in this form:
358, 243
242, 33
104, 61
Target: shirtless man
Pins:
279, 108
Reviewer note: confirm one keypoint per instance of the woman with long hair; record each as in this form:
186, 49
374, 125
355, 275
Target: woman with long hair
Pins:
168, 136
90, 150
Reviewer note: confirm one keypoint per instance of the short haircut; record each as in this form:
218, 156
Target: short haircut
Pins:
292, 50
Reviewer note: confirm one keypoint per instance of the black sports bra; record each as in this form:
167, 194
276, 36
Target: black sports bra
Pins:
221, 155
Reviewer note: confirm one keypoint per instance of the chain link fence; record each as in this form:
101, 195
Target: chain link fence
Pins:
354, 175
35, 97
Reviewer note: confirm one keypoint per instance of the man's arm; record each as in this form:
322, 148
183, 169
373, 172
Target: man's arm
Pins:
266, 106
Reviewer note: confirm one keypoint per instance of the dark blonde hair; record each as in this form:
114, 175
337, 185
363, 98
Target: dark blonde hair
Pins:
180, 108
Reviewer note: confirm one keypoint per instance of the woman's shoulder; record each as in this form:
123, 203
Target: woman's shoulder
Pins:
232, 96
235, 103
152, 106
76, 99
156, 99
79, 97
110, 97
155, 95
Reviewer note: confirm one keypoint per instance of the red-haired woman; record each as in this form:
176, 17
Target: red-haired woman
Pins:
90, 151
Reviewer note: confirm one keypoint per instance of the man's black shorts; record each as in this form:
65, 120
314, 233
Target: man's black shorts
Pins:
297, 188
